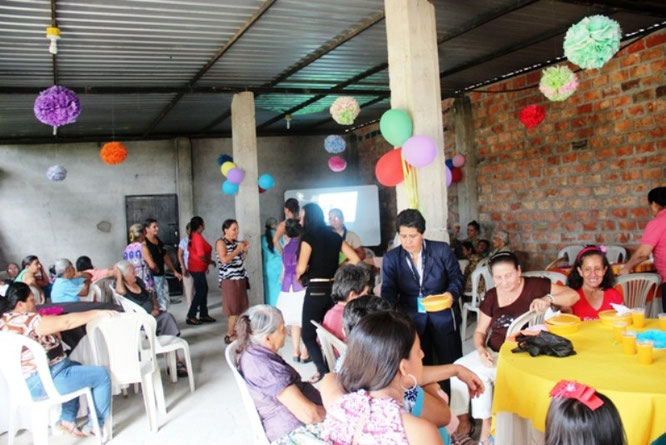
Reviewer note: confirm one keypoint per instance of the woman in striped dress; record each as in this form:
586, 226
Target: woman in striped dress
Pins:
231, 255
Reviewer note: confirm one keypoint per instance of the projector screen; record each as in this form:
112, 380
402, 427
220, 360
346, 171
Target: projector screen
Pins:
359, 204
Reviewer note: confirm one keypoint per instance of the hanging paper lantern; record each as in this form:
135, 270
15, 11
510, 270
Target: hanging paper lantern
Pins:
389, 168
458, 160
224, 158
449, 176
344, 110
532, 115
592, 42
113, 153
235, 175
456, 175
56, 173
396, 126
337, 164
226, 167
229, 188
266, 181
419, 151
57, 106
334, 144
558, 83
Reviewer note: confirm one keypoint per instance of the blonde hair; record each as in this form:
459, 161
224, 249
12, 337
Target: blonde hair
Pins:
135, 232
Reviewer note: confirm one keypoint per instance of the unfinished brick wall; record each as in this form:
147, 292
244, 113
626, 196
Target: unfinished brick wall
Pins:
582, 176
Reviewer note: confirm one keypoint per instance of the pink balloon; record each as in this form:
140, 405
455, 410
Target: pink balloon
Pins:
337, 164
449, 177
419, 151
235, 175
458, 160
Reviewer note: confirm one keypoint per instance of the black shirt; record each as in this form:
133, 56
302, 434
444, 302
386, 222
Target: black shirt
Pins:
143, 298
157, 251
326, 246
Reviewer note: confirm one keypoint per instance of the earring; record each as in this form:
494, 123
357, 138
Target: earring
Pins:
414, 384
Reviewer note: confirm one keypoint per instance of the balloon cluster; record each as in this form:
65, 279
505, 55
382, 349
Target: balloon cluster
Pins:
234, 176
454, 172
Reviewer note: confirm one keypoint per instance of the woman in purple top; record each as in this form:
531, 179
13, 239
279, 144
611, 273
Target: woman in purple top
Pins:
290, 300
283, 401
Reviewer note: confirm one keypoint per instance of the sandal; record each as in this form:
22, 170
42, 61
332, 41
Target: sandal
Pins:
181, 369
316, 378
307, 359
193, 321
73, 431
207, 319
296, 358
228, 339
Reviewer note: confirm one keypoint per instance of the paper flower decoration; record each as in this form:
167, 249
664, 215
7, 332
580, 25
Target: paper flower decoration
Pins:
113, 153
592, 42
57, 106
56, 173
532, 115
558, 83
334, 144
337, 164
344, 110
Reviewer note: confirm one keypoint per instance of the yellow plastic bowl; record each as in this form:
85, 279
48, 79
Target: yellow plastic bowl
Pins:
610, 316
436, 303
563, 324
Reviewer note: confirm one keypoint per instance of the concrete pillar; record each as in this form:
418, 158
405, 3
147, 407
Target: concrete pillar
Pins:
244, 141
184, 182
468, 199
414, 80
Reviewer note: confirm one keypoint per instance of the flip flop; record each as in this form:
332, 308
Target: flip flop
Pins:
73, 431
306, 360
316, 378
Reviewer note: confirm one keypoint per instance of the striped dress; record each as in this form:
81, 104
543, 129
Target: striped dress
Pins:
235, 270
233, 282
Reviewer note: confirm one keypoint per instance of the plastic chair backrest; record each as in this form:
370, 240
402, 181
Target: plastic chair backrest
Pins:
463, 265
128, 305
616, 254
103, 285
530, 318
570, 252
480, 271
11, 346
554, 277
328, 342
255, 421
122, 336
637, 286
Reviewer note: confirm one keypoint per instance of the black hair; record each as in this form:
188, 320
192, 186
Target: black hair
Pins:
485, 241
27, 260
575, 280
268, 233
375, 348
314, 218
193, 225
347, 279
16, 292
148, 222
292, 205
292, 227
228, 223
503, 257
83, 263
468, 245
358, 308
658, 195
410, 218
569, 422
474, 224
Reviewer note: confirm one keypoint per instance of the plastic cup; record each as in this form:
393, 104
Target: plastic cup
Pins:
618, 328
644, 348
662, 321
629, 342
638, 317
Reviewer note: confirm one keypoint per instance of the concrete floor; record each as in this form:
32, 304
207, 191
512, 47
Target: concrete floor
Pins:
213, 414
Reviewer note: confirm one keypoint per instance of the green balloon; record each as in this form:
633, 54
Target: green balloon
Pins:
396, 127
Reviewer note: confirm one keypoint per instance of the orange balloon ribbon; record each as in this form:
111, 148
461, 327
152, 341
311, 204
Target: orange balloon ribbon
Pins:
411, 184
574, 390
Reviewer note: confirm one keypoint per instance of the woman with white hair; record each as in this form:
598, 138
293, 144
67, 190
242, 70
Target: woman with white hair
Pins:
69, 284
284, 402
500, 242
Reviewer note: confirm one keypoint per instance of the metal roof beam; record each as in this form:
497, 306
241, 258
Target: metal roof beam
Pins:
54, 59
652, 8
220, 52
199, 90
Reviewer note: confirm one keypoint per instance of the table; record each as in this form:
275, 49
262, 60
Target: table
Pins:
638, 391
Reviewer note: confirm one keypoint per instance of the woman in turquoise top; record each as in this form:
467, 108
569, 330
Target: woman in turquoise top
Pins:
272, 262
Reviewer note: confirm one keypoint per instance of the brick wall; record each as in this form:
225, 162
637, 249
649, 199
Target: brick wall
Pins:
582, 176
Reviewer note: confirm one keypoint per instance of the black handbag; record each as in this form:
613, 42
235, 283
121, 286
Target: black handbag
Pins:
544, 343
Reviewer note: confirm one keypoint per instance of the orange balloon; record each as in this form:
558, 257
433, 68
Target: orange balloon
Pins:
389, 168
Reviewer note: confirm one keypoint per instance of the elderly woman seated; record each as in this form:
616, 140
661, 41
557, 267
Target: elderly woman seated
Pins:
512, 296
69, 284
283, 400
500, 242
19, 315
33, 274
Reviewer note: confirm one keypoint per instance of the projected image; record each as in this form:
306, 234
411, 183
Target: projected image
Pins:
345, 201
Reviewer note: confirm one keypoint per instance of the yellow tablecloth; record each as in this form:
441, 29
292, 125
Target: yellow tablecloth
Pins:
638, 391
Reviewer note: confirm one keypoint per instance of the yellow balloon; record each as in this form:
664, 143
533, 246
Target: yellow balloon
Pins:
226, 167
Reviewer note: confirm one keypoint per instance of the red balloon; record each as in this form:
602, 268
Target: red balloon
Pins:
389, 168
262, 190
456, 175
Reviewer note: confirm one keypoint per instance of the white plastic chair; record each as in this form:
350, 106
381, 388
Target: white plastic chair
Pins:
38, 294
128, 362
11, 346
616, 254
635, 288
530, 318
463, 265
570, 253
166, 345
554, 277
328, 342
479, 271
258, 433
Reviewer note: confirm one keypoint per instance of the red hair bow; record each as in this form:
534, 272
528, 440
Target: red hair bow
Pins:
573, 390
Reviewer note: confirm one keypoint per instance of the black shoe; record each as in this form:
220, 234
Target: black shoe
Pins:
207, 319
193, 321
175, 300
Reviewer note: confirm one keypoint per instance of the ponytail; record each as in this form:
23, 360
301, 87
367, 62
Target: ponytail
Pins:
194, 224
243, 333
269, 238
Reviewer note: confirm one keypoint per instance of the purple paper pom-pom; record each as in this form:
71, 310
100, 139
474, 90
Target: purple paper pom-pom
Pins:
56, 173
57, 106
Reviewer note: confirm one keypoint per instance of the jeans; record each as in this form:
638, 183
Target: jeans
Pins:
162, 290
200, 299
315, 305
69, 376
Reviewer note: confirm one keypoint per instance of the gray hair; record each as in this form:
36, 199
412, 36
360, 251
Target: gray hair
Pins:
349, 278
61, 265
256, 323
502, 235
124, 267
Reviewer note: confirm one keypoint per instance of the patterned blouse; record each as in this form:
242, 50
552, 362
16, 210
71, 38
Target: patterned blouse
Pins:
133, 254
235, 270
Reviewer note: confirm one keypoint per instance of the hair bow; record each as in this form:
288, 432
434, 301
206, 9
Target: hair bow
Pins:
600, 248
53, 310
573, 390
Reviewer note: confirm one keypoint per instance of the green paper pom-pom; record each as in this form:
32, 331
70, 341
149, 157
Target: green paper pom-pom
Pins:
558, 83
592, 42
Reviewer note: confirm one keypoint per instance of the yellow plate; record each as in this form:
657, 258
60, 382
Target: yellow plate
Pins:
436, 303
610, 316
563, 324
